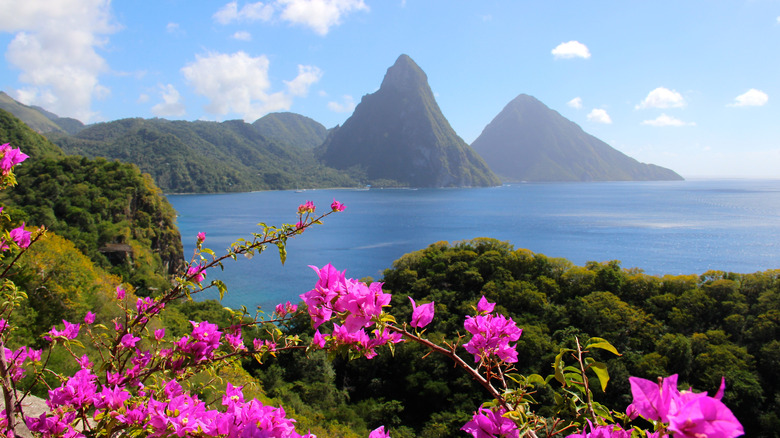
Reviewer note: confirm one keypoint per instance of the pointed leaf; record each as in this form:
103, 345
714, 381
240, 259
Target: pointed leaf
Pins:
600, 369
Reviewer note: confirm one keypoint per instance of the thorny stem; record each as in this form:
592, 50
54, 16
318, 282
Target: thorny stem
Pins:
588, 400
458, 361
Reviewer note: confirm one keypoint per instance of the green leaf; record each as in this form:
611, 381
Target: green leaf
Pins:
600, 369
602, 344
282, 252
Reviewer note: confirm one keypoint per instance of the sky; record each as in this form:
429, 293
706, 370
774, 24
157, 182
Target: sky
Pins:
691, 85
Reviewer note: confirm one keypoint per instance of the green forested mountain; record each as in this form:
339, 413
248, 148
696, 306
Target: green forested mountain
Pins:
527, 141
185, 157
291, 129
18, 134
111, 212
398, 134
38, 119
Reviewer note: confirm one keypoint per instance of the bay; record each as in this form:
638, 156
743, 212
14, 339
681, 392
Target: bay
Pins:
680, 227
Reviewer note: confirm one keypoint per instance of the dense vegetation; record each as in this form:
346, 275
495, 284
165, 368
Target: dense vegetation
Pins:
112, 213
701, 327
199, 157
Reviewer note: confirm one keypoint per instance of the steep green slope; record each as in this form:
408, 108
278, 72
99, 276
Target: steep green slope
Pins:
291, 129
37, 118
187, 157
112, 213
18, 134
527, 141
400, 134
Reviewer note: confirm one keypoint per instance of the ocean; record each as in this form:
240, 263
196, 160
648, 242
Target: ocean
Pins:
675, 227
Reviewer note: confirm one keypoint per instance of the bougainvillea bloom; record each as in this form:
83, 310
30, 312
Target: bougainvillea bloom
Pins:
607, 431
307, 207
422, 315
689, 414
197, 273
487, 423
337, 206
21, 236
379, 432
492, 335
11, 157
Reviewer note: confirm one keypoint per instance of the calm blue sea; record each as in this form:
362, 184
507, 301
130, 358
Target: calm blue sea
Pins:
685, 227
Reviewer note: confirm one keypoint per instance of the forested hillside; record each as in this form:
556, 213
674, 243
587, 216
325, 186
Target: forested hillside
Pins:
701, 327
111, 212
205, 157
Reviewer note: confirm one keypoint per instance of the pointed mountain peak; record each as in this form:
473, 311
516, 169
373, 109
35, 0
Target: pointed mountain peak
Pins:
404, 74
399, 136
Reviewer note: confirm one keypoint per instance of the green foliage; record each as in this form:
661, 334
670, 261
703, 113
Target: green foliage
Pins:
113, 213
700, 327
200, 157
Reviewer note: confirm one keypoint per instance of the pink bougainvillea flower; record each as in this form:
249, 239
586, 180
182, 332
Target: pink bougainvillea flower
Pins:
379, 432
201, 237
159, 334
70, 331
120, 293
422, 315
196, 272
11, 157
607, 431
484, 307
318, 339
337, 206
690, 415
491, 337
487, 423
21, 236
129, 341
307, 207
89, 318
704, 416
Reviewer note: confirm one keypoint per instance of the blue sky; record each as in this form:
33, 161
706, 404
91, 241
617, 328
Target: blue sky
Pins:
689, 85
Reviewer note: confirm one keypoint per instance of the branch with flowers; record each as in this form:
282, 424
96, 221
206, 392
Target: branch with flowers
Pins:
135, 382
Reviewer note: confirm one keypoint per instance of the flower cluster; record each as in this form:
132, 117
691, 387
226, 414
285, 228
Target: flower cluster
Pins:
355, 304
688, 414
11, 157
168, 412
491, 334
487, 423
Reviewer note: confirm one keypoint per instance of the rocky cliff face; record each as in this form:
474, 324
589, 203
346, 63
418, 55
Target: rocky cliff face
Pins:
527, 141
399, 134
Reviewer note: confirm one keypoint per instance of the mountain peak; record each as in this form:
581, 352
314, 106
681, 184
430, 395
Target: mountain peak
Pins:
398, 135
405, 74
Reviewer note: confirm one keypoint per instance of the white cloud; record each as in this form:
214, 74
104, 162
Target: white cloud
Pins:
248, 13
575, 103
752, 97
307, 75
662, 98
55, 48
143, 98
242, 35
319, 15
664, 120
172, 27
346, 105
572, 49
599, 115
171, 104
238, 83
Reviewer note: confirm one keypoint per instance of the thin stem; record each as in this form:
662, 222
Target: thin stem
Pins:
458, 361
588, 400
